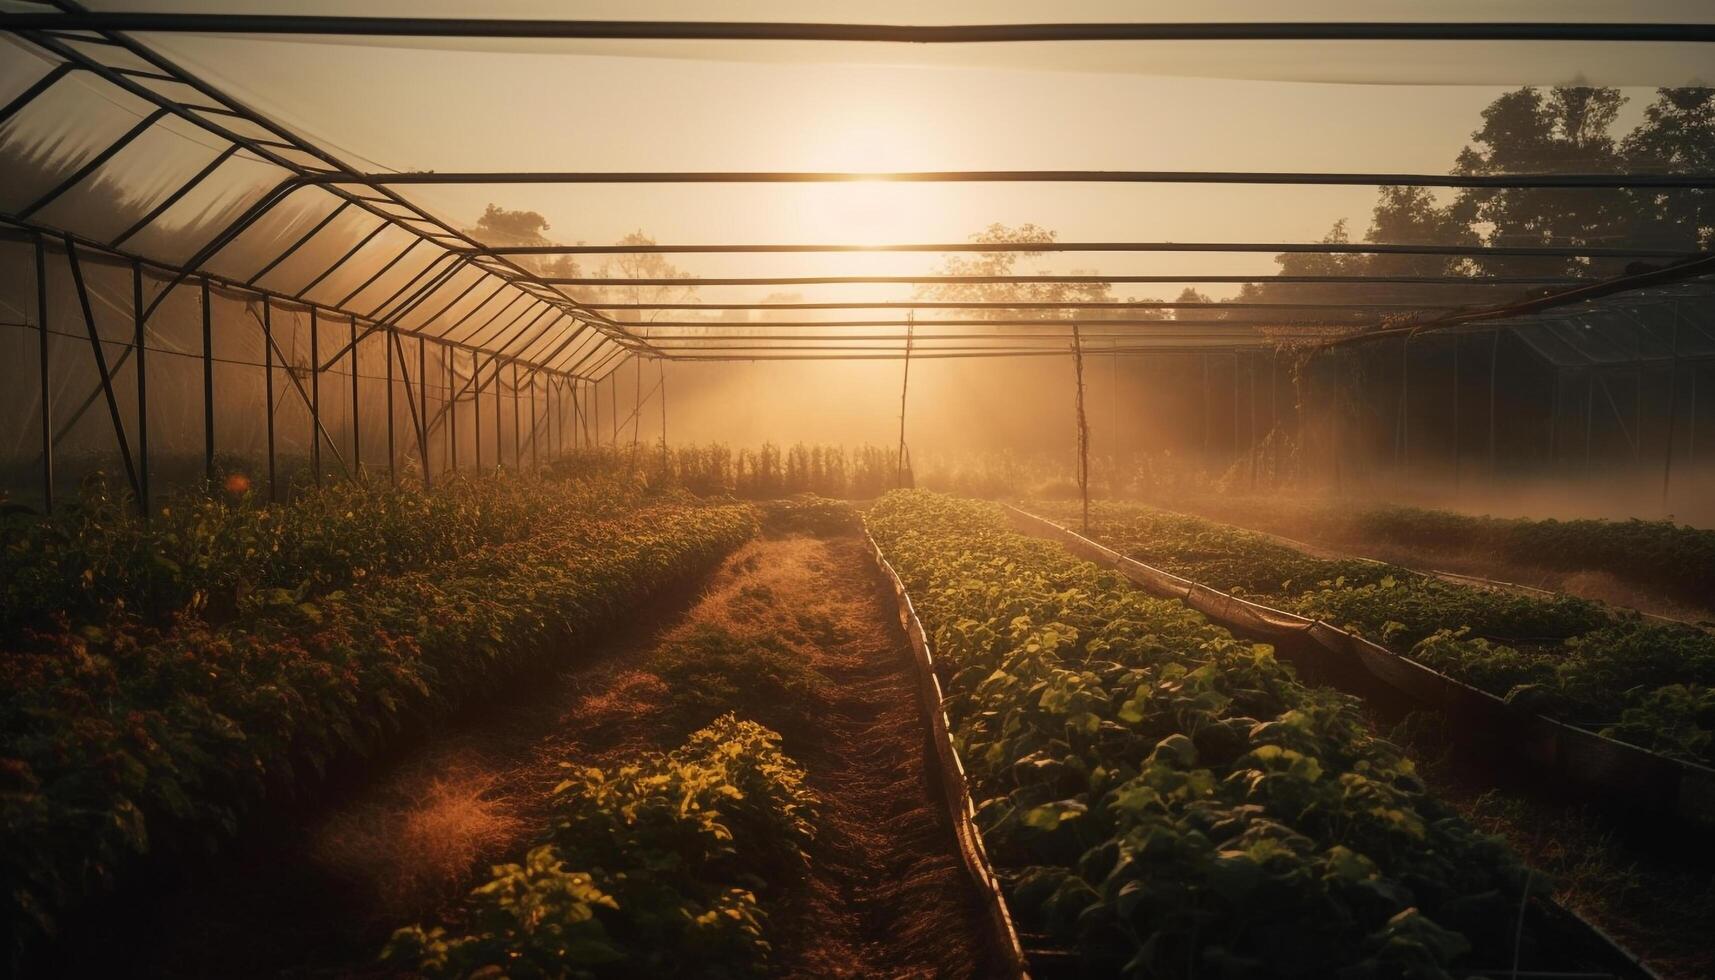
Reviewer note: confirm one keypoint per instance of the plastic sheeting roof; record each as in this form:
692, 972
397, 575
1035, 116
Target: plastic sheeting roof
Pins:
210, 152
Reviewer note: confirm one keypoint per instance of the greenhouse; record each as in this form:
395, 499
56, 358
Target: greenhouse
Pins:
591, 490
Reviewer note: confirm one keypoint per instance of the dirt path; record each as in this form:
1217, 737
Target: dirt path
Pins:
317, 894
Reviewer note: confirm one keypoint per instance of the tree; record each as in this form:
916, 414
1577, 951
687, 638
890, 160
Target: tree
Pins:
1568, 130
641, 265
1004, 264
1677, 135
500, 227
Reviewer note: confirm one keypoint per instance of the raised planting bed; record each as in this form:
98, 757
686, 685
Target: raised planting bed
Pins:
1165, 800
1539, 697
134, 738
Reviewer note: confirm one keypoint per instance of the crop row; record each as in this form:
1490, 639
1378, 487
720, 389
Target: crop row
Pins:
95, 560
129, 739
1668, 558
1171, 801
651, 868
1649, 684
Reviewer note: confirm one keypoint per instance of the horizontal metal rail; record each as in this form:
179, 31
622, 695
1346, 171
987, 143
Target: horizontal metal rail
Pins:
1093, 279
1308, 248
1008, 305
476, 27
1523, 180
1069, 322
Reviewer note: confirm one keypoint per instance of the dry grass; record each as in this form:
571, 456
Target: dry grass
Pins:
417, 845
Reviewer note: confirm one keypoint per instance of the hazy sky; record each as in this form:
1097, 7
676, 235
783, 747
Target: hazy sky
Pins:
692, 106
398, 104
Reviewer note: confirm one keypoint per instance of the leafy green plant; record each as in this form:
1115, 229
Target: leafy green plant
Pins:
711, 671
1170, 801
1561, 656
657, 868
128, 738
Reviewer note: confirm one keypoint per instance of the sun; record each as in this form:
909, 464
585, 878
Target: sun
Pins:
871, 138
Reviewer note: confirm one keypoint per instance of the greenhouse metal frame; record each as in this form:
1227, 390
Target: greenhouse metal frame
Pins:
528, 341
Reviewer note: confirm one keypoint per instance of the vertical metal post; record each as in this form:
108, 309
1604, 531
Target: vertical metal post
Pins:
577, 416
1691, 428
904, 387
1251, 429
387, 342
534, 460
499, 451
476, 407
1084, 423
613, 403
1554, 423
207, 384
1403, 447
1204, 358
268, 385
423, 402
315, 396
1236, 448
1494, 358
636, 401
666, 461
595, 407
452, 426
356, 416
1114, 402
1456, 445
96, 352
47, 392
1672, 417
1589, 414
142, 389
517, 430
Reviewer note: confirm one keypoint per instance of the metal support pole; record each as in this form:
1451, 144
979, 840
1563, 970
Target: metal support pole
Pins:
534, 426
494, 362
207, 383
1204, 358
1084, 425
268, 386
1251, 429
315, 396
47, 392
1554, 423
904, 387
356, 415
388, 341
452, 428
476, 407
1404, 445
636, 402
139, 339
417, 416
517, 430
1589, 414
1494, 360
1456, 446
661, 382
1672, 417
1236, 447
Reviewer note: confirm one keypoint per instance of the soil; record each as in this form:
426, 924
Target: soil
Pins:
317, 892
